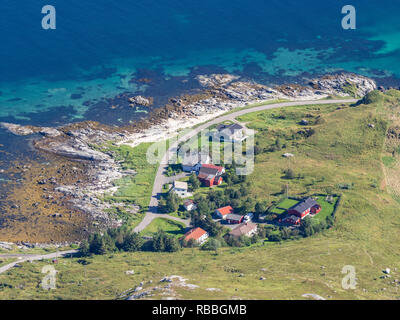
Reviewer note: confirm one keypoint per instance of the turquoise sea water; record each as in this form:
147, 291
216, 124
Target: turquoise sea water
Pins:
99, 47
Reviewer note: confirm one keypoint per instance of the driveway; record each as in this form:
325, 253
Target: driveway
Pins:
160, 179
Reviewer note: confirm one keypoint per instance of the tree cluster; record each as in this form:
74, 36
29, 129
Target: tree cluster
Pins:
118, 239
162, 242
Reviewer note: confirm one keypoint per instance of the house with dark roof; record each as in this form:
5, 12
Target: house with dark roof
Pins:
247, 229
304, 208
228, 133
210, 175
234, 218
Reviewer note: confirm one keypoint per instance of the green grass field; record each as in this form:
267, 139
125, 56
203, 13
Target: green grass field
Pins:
287, 203
169, 226
136, 188
278, 211
342, 150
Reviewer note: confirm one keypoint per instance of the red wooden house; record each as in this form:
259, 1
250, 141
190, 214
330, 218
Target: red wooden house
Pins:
210, 175
234, 218
304, 208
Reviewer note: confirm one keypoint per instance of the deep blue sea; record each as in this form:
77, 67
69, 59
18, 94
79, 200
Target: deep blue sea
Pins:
100, 48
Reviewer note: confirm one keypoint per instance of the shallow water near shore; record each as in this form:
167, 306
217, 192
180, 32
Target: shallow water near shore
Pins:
84, 61
101, 53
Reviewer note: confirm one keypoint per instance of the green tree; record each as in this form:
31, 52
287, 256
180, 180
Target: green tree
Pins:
159, 239
194, 182
109, 243
171, 244
260, 208
132, 242
190, 244
289, 174
276, 237
172, 202
203, 207
247, 206
118, 235
212, 245
306, 227
97, 245
84, 249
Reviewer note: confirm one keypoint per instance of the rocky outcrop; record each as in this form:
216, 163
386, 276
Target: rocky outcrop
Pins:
141, 101
27, 130
343, 84
215, 80
17, 129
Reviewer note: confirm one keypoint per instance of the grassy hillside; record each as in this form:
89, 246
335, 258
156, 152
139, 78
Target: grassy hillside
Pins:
340, 150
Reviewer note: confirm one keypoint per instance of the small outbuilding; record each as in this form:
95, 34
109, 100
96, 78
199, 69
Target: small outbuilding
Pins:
189, 205
234, 218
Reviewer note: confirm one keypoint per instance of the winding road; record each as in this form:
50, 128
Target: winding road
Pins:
31, 257
161, 179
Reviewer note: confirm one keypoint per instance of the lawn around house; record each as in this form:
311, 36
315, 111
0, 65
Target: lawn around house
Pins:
287, 203
327, 208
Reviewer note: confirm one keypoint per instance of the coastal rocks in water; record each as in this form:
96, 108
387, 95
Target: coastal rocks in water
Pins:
70, 148
344, 84
49, 132
142, 101
17, 129
216, 80
27, 130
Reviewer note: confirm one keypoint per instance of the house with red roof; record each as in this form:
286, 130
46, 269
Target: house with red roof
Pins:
197, 234
210, 175
223, 212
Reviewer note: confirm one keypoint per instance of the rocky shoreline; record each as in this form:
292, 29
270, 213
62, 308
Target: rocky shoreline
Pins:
222, 93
